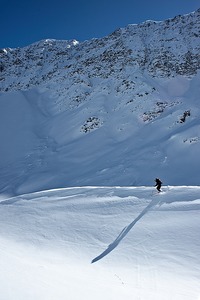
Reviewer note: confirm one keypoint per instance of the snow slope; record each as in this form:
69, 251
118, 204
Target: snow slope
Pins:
130, 145
48, 240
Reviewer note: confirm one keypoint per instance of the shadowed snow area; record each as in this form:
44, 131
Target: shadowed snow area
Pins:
40, 150
49, 238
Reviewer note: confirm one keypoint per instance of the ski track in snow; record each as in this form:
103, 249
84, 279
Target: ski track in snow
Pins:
48, 238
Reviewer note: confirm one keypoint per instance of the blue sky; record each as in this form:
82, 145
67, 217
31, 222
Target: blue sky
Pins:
26, 21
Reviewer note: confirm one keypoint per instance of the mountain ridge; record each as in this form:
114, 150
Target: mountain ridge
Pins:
181, 30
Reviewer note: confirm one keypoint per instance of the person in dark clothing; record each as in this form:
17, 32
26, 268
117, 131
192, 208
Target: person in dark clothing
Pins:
158, 184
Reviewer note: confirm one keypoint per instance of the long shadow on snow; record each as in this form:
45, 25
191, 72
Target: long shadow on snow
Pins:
125, 231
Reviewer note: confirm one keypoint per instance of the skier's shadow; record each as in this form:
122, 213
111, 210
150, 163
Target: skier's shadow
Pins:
125, 231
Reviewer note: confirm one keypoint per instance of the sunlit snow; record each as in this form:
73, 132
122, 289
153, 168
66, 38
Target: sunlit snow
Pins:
49, 239
85, 128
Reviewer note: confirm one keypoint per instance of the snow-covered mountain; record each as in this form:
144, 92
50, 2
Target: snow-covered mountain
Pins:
120, 110
112, 113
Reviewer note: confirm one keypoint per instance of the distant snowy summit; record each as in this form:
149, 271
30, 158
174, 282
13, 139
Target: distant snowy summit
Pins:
166, 48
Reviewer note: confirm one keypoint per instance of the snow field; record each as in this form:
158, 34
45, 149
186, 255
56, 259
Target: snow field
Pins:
49, 238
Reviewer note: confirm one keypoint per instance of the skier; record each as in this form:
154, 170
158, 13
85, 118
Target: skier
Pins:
158, 184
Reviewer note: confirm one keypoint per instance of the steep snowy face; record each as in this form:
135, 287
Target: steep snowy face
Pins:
102, 111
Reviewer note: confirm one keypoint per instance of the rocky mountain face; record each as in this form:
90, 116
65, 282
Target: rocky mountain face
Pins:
143, 72
167, 48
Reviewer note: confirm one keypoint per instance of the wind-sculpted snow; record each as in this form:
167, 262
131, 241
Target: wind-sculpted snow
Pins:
49, 238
